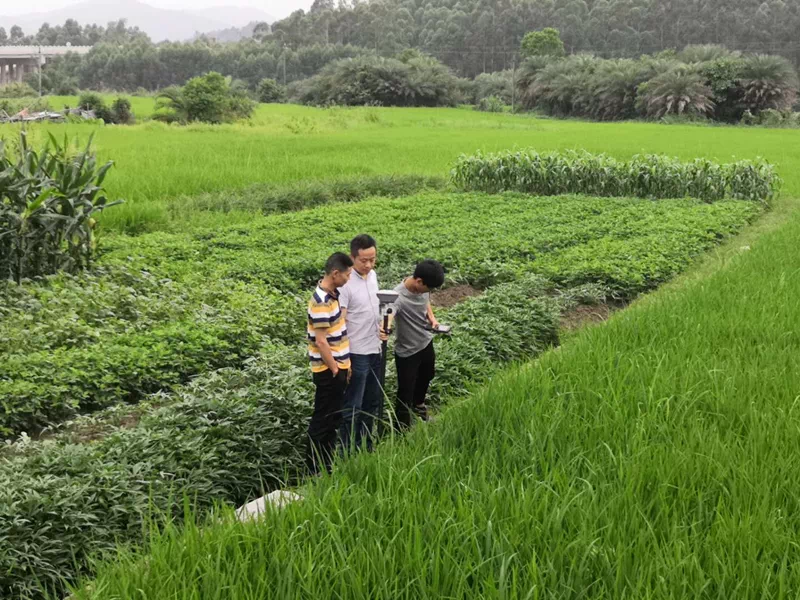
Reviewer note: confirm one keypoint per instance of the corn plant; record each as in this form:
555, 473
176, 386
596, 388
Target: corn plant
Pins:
47, 202
644, 176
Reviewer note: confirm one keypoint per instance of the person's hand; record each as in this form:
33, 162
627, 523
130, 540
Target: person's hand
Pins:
383, 335
336, 372
434, 324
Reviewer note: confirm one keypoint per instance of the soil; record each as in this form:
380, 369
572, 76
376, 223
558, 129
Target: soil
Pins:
586, 314
452, 296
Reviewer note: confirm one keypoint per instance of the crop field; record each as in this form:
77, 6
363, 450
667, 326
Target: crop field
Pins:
648, 456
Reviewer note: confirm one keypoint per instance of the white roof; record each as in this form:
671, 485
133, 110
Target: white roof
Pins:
33, 51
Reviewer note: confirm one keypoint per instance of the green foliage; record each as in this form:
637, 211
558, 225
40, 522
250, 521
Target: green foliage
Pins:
48, 198
703, 53
491, 104
271, 92
188, 315
375, 81
546, 42
208, 99
647, 176
768, 82
118, 114
680, 91
17, 90
722, 76
227, 436
499, 85
268, 199
121, 109
606, 469
12, 106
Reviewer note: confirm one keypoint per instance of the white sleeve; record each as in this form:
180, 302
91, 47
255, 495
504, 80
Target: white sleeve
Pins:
344, 295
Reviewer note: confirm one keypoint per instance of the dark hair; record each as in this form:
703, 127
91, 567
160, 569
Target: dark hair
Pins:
431, 272
338, 261
361, 242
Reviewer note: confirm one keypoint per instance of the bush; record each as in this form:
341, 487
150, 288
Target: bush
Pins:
499, 85
49, 198
12, 106
18, 90
271, 92
375, 81
768, 82
600, 175
491, 104
208, 99
121, 111
679, 92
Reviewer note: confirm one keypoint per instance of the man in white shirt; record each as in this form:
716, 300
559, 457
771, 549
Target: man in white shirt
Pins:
363, 401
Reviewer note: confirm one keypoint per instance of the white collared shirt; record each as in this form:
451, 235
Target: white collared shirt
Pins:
360, 297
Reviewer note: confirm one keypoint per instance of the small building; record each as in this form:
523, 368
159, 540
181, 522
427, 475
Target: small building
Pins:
18, 61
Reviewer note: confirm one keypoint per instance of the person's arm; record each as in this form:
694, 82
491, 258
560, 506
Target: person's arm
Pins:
325, 350
431, 318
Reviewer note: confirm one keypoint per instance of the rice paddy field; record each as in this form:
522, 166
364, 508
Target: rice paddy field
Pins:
617, 408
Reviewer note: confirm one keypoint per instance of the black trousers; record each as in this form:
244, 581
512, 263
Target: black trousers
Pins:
414, 375
326, 420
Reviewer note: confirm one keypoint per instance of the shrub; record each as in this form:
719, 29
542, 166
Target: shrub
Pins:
209, 99
365, 81
491, 104
498, 85
768, 82
680, 91
722, 76
121, 111
648, 176
18, 90
49, 198
271, 92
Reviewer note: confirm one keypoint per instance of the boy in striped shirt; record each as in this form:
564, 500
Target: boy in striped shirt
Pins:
329, 355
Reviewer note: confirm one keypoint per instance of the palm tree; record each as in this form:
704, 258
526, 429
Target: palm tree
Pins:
613, 89
526, 76
680, 91
172, 102
562, 88
768, 82
700, 53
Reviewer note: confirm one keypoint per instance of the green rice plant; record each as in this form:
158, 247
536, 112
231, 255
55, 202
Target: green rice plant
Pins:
644, 176
48, 199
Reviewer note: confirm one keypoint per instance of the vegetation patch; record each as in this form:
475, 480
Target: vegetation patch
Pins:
647, 176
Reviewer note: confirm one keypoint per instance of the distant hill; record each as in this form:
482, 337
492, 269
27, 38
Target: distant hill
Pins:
232, 34
160, 24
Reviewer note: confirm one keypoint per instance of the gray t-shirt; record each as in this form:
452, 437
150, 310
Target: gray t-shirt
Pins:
411, 322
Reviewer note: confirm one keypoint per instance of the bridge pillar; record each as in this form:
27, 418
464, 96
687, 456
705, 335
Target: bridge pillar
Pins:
2, 72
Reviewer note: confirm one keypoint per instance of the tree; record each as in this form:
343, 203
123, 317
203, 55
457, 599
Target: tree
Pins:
16, 35
768, 82
209, 98
546, 42
270, 91
680, 91
3, 36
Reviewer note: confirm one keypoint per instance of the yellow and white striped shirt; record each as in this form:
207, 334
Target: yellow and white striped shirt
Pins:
324, 312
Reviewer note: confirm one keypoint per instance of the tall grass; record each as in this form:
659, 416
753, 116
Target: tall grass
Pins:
652, 457
156, 163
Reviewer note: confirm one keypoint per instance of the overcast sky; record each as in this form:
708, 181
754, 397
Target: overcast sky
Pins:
278, 8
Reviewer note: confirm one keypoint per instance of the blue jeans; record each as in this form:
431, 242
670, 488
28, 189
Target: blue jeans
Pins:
363, 402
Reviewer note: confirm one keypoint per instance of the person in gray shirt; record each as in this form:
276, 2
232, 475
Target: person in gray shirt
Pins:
414, 355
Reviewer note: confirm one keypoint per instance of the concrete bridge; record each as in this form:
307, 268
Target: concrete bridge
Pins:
17, 61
